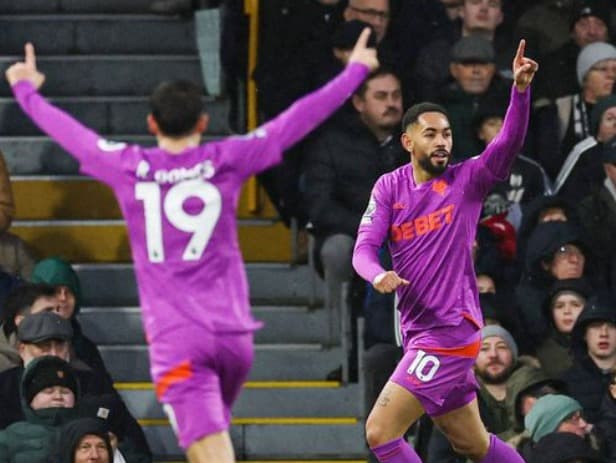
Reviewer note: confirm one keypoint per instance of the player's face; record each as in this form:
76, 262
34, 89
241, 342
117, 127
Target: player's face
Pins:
566, 309
607, 126
66, 302
589, 29
494, 361
600, 339
429, 141
373, 12
474, 78
381, 105
568, 262
481, 15
599, 80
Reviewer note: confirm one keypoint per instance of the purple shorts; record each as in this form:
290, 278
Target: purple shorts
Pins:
198, 376
437, 368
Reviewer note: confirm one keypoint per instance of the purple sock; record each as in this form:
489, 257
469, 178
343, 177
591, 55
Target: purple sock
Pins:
499, 452
396, 451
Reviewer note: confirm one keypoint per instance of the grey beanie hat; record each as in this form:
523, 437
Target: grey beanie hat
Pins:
547, 414
489, 331
591, 55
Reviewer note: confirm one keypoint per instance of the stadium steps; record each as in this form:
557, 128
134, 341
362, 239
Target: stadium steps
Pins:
102, 58
103, 114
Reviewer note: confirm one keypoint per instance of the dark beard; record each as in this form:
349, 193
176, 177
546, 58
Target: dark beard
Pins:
495, 379
434, 170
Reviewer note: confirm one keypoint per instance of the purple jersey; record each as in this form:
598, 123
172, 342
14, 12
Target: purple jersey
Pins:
431, 229
180, 210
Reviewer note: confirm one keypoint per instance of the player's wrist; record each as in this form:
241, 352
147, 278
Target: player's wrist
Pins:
377, 279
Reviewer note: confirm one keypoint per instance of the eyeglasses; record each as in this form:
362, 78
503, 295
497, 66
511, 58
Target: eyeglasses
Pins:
372, 13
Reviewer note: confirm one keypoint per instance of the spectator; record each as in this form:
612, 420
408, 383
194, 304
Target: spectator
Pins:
598, 213
558, 127
23, 300
594, 349
554, 413
84, 440
564, 447
475, 83
555, 252
343, 163
477, 17
583, 169
374, 12
589, 23
525, 387
50, 391
562, 307
113, 414
58, 273
16, 258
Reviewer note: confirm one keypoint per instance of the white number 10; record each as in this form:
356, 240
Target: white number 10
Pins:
201, 225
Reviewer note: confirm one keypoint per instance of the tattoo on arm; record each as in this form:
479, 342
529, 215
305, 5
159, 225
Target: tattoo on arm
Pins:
384, 399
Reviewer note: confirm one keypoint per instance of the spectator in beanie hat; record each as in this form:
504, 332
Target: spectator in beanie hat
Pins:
555, 413
49, 392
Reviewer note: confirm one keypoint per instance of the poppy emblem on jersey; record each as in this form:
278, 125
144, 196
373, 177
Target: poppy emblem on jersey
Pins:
440, 186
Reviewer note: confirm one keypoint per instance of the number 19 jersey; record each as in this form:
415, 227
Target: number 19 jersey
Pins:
180, 210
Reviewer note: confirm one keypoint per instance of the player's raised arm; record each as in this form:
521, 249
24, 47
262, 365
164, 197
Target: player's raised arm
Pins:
83, 143
308, 112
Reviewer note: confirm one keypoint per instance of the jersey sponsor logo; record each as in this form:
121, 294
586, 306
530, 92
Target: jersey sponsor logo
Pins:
109, 146
204, 170
440, 187
422, 224
369, 213
398, 206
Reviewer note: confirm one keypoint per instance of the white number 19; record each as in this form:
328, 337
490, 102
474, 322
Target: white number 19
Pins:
201, 225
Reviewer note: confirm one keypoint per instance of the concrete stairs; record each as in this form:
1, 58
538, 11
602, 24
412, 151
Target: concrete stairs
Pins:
102, 58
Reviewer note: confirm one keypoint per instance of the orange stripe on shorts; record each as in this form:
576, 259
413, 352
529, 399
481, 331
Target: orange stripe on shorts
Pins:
470, 350
177, 374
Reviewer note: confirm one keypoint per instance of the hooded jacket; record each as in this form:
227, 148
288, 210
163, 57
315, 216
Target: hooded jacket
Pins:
55, 271
532, 289
586, 382
33, 440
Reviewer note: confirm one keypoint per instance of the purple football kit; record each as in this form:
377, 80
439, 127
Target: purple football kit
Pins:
180, 211
430, 229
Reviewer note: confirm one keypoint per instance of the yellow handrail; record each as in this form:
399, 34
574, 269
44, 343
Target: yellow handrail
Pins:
251, 8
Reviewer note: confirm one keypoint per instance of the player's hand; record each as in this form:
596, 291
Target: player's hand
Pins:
362, 54
523, 68
387, 282
26, 70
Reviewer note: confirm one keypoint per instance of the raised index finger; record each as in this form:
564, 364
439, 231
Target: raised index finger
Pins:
30, 55
362, 41
520, 53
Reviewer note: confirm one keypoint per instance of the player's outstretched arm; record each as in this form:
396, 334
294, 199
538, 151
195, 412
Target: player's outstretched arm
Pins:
26, 70
74, 137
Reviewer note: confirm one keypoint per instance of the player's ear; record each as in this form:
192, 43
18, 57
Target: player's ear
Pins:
152, 125
202, 123
407, 142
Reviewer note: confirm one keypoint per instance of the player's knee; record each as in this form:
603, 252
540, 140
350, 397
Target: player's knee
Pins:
474, 447
376, 433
